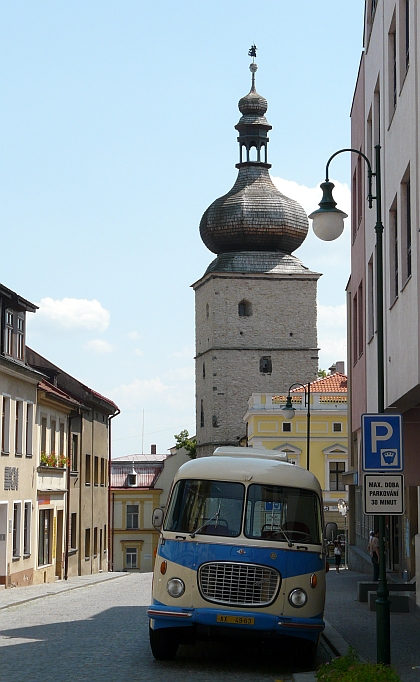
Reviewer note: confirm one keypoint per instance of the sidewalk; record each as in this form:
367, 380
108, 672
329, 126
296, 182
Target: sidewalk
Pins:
20, 595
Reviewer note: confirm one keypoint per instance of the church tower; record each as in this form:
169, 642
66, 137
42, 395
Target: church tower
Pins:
255, 306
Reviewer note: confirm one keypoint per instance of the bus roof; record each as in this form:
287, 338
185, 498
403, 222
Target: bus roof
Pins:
247, 469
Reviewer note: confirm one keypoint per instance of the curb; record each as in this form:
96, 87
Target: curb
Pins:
64, 589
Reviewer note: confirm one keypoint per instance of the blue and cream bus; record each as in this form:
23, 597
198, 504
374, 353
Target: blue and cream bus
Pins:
240, 553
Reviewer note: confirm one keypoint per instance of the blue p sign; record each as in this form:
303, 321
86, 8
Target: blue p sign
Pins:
382, 442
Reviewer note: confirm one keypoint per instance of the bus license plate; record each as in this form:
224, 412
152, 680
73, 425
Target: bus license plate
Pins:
236, 620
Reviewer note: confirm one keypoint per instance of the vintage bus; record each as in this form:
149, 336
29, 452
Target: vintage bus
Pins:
240, 553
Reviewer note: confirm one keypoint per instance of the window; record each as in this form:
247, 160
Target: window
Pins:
132, 480
392, 68
265, 365
336, 475
20, 337
406, 238
360, 321
61, 440
87, 471
105, 539
19, 427
8, 333
27, 516
201, 414
102, 471
17, 511
370, 300
73, 530
206, 507
43, 435
74, 451
29, 428
44, 537
53, 430
337, 427
131, 557
95, 541
87, 543
5, 426
404, 37
286, 426
96, 471
393, 251
244, 308
132, 516
204, 370
207, 310
354, 325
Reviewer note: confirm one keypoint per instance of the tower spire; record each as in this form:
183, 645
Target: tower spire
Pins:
252, 52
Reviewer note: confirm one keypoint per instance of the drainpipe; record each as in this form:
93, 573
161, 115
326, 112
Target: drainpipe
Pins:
71, 416
110, 500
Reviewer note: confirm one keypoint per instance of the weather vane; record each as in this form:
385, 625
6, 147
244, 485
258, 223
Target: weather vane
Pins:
252, 52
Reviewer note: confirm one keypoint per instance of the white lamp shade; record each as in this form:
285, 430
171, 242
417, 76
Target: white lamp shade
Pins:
328, 225
288, 413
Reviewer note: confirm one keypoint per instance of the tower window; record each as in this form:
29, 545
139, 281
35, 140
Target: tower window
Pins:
244, 308
202, 414
204, 370
207, 310
265, 365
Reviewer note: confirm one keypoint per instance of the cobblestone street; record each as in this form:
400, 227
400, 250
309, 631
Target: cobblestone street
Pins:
100, 632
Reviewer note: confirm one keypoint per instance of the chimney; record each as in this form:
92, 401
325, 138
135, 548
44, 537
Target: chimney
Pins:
339, 367
153, 450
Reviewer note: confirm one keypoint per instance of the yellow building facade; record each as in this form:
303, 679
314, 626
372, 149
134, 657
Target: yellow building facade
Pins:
328, 446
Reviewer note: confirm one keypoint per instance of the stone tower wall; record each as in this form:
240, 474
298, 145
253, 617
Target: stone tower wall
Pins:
282, 327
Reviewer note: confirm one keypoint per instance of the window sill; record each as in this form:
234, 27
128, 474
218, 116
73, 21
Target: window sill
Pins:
4, 453
28, 455
26, 556
72, 551
16, 558
87, 485
18, 454
74, 473
87, 558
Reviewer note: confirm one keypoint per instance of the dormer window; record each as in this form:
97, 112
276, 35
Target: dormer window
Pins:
8, 333
132, 480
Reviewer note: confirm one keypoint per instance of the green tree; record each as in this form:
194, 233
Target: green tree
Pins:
183, 440
322, 373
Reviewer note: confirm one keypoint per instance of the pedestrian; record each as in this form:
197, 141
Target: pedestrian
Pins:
337, 555
374, 544
369, 547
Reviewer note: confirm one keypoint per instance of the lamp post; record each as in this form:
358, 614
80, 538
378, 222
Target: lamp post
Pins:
289, 412
328, 224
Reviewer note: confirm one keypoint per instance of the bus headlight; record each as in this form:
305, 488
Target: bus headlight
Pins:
298, 598
175, 587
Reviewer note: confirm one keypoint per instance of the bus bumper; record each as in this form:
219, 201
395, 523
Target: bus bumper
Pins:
238, 623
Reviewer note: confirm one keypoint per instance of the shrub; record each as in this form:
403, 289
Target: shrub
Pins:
349, 669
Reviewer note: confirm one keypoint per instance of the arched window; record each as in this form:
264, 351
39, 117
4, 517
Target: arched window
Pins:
244, 308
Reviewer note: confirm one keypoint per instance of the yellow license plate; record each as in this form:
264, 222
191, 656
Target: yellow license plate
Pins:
236, 620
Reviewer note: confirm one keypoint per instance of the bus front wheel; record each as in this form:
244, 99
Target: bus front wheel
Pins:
163, 643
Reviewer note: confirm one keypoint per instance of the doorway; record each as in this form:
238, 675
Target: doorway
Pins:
59, 545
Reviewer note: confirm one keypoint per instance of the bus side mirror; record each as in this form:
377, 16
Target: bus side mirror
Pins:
157, 518
330, 531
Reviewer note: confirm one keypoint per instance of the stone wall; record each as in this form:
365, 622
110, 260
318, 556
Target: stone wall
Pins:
280, 326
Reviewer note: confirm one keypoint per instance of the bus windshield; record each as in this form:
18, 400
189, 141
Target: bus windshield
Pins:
206, 508
281, 513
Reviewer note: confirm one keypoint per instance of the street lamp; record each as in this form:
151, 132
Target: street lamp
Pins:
328, 223
289, 412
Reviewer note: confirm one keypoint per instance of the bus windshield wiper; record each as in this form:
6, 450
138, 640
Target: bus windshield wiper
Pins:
206, 523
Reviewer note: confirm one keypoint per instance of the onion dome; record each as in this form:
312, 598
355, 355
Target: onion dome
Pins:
254, 215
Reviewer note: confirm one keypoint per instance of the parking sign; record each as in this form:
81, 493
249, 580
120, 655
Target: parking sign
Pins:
382, 443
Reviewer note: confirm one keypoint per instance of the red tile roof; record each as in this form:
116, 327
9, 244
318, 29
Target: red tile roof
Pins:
146, 474
333, 383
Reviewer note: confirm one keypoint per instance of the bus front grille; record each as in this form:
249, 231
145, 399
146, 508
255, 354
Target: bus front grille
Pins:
237, 584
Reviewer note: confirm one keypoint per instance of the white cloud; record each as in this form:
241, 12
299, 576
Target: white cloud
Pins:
75, 314
138, 351
309, 197
187, 352
99, 346
133, 336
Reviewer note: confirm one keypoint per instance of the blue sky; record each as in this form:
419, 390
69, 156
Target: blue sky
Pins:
116, 133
